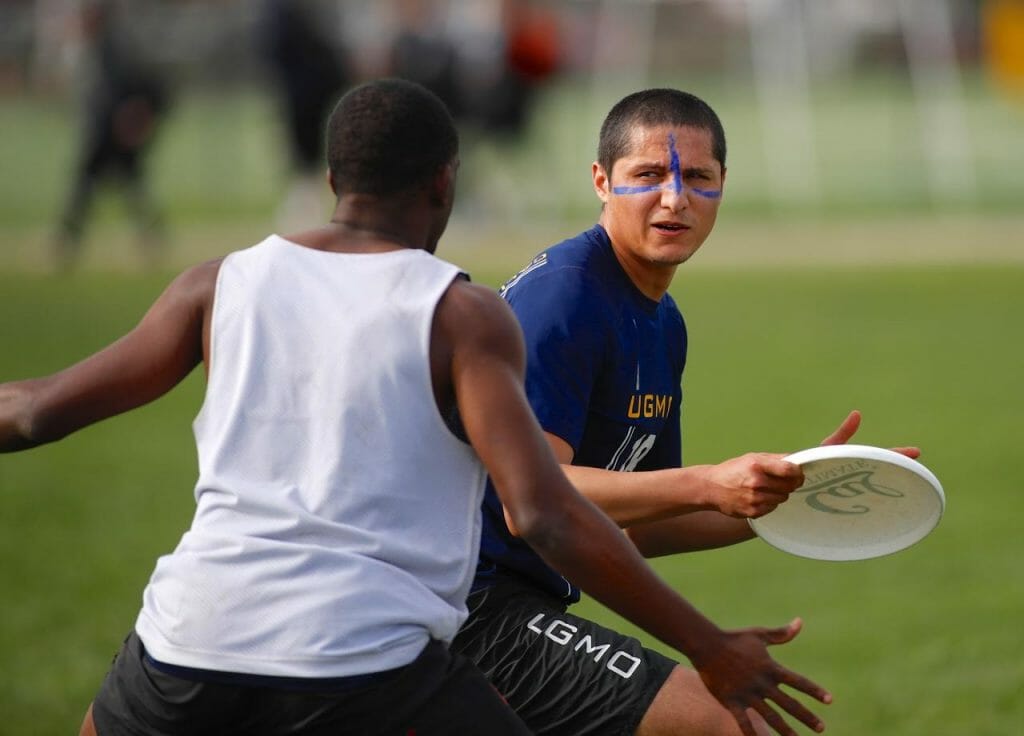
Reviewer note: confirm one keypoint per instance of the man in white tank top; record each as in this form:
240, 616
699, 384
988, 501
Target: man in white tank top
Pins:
337, 520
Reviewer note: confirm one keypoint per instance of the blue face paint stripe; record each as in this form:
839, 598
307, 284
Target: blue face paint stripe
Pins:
677, 178
706, 193
677, 172
637, 190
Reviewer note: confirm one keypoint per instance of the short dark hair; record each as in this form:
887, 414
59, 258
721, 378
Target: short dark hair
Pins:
388, 136
650, 108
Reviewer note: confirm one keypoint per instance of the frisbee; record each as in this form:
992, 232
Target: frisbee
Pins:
856, 502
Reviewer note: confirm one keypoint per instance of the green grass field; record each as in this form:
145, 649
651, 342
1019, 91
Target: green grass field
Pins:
923, 642
916, 319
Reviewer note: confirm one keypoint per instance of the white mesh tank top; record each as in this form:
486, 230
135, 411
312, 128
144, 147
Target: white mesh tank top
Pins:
337, 518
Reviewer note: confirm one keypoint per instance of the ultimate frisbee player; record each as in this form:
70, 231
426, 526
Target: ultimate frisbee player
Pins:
606, 346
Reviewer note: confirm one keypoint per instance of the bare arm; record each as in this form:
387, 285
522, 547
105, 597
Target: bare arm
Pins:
751, 485
136, 369
571, 534
694, 532
699, 506
685, 509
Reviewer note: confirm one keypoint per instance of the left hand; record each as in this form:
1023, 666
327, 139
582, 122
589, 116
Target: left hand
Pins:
741, 674
849, 427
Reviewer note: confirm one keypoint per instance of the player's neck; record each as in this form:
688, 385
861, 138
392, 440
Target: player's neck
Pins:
652, 279
362, 222
349, 235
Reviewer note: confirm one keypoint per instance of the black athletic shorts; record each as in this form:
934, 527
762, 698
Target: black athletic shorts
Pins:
438, 694
563, 675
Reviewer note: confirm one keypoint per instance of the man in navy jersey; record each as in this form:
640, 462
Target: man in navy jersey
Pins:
606, 347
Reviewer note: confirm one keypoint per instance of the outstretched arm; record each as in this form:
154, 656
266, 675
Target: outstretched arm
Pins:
571, 534
699, 506
136, 369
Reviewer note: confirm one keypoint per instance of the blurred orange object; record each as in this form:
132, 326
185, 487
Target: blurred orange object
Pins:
534, 46
1003, 40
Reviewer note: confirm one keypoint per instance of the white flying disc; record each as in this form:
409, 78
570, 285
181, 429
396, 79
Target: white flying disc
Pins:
856, 502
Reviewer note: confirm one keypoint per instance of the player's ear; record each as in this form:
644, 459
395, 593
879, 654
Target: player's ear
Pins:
442, 186
602, 182
330, 183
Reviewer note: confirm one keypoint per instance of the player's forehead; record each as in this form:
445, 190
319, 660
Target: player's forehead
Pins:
659, 143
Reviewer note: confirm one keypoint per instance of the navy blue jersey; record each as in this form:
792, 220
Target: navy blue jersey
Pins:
603, 370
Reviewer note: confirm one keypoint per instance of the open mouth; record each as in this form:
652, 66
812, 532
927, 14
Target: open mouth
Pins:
669, 227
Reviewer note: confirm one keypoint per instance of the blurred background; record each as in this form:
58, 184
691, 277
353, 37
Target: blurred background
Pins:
838, 107
869, 254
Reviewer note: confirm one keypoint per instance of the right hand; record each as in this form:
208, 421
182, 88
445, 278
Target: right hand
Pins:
751, 485
741, 674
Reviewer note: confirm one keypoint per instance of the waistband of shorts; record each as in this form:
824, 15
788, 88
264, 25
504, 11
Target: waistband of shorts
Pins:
509, 585
321, 684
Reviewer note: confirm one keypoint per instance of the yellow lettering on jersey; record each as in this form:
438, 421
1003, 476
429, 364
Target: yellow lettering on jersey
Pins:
649, 405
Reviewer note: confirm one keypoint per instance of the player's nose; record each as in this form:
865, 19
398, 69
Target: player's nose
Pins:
674, 197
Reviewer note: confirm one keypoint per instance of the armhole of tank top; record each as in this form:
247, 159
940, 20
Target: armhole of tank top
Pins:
214, 309
214, 306
441, 421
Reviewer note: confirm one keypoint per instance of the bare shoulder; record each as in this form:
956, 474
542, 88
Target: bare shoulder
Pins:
198, 282
474, 314
466, 297
191, 291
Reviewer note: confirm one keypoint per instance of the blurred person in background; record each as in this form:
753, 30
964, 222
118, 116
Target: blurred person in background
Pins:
508, 50
529, 55
310, 69
422, 51
484, 58
124, 102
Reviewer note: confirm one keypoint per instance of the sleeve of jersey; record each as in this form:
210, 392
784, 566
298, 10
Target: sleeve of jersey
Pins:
565, 339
